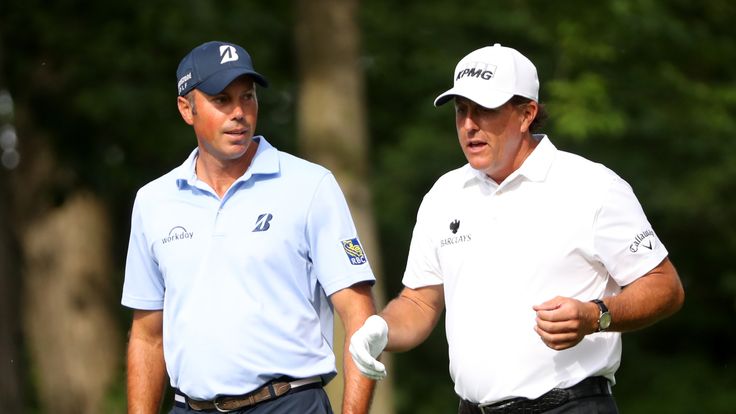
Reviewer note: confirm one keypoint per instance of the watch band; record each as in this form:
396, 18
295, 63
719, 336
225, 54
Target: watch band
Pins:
604, 317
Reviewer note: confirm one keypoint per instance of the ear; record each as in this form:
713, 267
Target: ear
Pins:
185, 109
528, 113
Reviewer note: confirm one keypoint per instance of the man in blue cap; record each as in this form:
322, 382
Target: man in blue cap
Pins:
236, 260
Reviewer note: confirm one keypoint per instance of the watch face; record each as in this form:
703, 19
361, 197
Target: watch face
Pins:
605, 321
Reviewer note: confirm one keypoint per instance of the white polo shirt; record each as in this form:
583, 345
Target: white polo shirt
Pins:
243, 281
560, 225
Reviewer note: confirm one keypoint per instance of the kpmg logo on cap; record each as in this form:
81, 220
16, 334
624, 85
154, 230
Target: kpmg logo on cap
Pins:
480, 70
228, 54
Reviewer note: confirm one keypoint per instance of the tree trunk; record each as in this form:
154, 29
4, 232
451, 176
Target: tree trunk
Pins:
73, 336
11, 379
68, 296
331, 120
11, 396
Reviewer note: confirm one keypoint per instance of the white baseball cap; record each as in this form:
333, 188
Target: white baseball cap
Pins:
491, 75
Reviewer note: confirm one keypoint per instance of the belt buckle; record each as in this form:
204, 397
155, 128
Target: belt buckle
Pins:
490, 408
216, 403
484, 407
194, 404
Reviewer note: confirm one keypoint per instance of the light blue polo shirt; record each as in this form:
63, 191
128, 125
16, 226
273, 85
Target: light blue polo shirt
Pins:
243, 280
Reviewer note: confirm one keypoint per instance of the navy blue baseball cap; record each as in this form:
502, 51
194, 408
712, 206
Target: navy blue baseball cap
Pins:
211, 66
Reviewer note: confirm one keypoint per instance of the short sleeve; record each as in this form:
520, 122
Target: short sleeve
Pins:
144, 285
422, 265
337, 255
624, 240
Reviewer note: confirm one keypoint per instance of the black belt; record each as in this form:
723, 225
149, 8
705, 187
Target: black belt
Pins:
554, 398
227, 403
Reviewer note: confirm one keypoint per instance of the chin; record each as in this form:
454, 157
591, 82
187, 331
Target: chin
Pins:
478, 165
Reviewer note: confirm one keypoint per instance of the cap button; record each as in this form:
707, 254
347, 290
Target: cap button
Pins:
496, 44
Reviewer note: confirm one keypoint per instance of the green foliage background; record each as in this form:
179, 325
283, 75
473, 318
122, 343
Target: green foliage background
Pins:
646, 87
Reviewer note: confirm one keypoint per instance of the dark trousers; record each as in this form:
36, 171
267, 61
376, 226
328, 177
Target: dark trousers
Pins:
309, 401
601, 404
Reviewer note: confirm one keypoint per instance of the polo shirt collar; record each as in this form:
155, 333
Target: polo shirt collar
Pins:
538, 163
534, 168
265, 162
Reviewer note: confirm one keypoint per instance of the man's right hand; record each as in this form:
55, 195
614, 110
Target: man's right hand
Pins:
366, 345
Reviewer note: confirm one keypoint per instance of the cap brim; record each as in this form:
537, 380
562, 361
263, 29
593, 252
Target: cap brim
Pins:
216, 84
487, 100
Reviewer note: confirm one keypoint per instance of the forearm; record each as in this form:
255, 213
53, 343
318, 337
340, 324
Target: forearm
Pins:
146, 377
649, 299
412, 316
358, 392
562, 322
146, 372
354, 305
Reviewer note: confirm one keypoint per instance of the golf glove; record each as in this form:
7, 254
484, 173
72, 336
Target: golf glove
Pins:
366, 345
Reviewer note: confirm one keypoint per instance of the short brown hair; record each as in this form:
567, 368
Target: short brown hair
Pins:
542, 114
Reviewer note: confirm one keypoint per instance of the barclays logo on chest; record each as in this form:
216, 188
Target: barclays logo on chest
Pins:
455, 238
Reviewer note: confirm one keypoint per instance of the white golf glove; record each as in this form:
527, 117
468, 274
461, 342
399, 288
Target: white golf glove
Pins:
366, 345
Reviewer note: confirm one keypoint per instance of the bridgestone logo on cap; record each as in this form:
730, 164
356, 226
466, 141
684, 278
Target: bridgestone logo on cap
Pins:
182, 82
228, 54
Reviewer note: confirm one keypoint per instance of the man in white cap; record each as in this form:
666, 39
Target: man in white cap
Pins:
540, 257
236, 260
